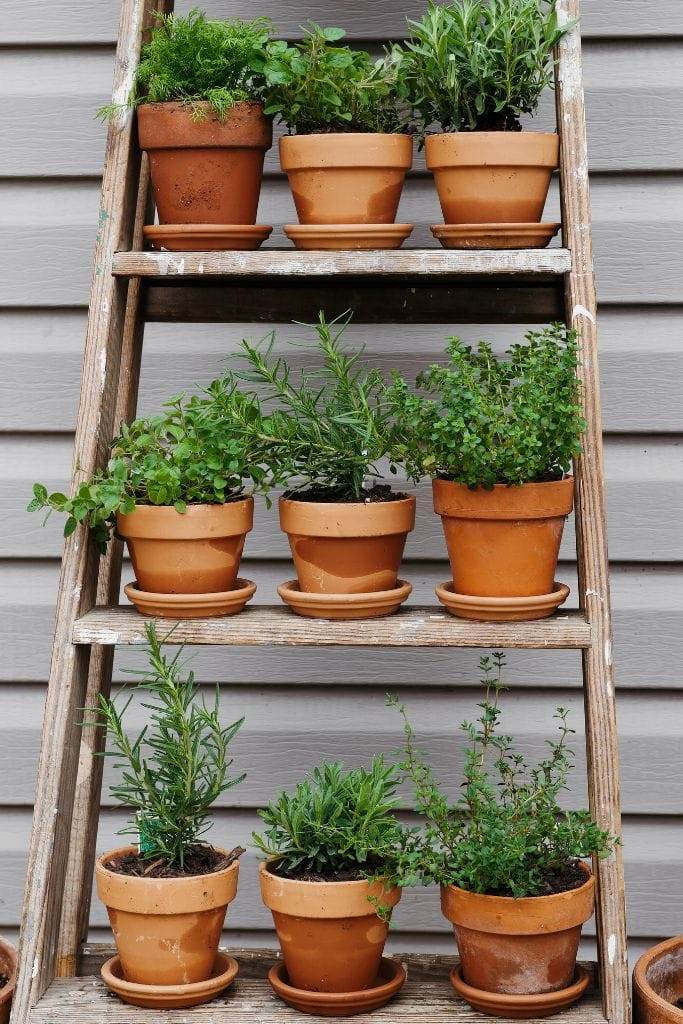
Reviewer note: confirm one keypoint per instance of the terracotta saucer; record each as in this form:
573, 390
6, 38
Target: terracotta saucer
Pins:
344, 606
191, 606
390, 979
520, 1007
348, 236
170, 997
495, 236
205, 237
501, 609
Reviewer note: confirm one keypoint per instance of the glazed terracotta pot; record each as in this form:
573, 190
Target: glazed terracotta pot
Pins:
193, 552
166, 929
503, 542
658, 984
8, 967
206, 170
346, 178
492, 177
518, 946
330, 935
347, 548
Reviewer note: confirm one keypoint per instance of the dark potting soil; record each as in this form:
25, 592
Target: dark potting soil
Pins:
325, 495
199, 860
571, 876
347, 875
3, 980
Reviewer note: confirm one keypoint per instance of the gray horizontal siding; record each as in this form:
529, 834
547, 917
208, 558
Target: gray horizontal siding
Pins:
57, 63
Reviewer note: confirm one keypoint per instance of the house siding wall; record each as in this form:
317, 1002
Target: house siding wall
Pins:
302, 706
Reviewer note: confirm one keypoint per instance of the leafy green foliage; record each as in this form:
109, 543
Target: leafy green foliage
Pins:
316, 86
493, 420
177, 766
200, 450
331, 425
336, 822
507, 835
191, 59
479, 65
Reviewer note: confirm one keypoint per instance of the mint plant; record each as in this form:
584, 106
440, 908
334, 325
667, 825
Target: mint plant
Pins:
315, 86
479, 65
192, 60
175, 769
481, 420
508, 834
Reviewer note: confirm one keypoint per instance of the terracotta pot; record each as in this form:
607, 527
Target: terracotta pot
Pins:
658, 984
353, 548
8, 967
503, 542
492, 177
518, 946
193, 552
346, 178
330, 935
166, 929
205, 171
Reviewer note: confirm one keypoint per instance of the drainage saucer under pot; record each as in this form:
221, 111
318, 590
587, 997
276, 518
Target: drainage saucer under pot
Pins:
170, 997
206, 237
348, 236
495, 236
390, 978
501, 609
520, 1006
371, 605
191, 606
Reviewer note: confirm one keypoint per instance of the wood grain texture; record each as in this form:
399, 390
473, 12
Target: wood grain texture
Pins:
427, 993
591, 531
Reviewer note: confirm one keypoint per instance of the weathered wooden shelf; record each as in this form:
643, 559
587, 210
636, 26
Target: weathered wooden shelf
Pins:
289, 263
427, 626
427, 995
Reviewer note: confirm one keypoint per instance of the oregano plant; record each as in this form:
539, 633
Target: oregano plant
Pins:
508, 835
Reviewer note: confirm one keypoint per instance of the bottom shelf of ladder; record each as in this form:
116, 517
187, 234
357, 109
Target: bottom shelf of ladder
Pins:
427, 995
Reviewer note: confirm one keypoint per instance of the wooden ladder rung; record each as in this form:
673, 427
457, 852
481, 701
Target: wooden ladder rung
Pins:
427, 995
290, 262
426, 626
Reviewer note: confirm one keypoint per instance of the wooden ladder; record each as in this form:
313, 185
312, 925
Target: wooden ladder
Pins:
129, 287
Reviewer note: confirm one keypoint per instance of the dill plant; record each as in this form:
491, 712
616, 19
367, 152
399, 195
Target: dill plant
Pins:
175, 769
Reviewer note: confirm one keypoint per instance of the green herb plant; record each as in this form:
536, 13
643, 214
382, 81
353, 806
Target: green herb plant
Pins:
199, 450
175, 769
507, 835
480, 65
481, 420
192, 60
331, 424
337, 825
315, 86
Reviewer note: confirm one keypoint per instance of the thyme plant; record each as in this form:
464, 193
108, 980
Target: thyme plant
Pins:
507, 835
175, 769
336, 825
481, 420
331, 424
192, 60
479, 65
315, 86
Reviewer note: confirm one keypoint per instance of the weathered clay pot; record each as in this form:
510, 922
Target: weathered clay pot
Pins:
353, 548
330, 935
166, 929
658, 984
346, 178
492, 177
207, 170
193, 552
503, 542
8, 967
522, 946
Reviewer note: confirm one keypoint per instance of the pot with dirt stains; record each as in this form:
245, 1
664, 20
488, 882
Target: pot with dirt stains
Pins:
329, 932
658, 984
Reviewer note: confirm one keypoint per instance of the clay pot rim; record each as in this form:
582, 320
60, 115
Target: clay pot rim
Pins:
10, 952
152, 522
489, 152
346, 135
186, 105
504, 501
341, 519
396, 980
640, 970
321, 151
351, 895
118, 984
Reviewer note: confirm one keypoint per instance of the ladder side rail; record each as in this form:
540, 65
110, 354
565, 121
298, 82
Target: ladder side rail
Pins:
602, 751
68, 677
